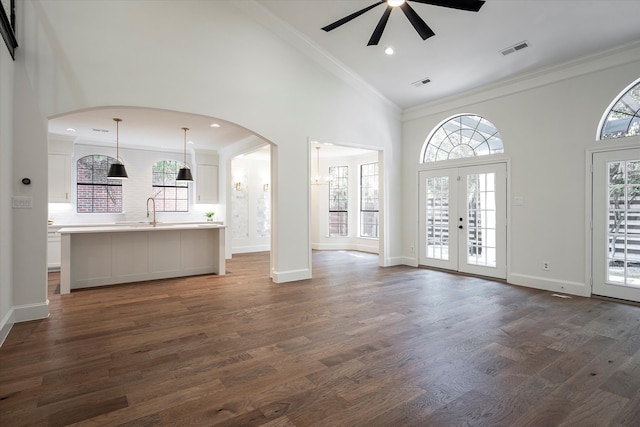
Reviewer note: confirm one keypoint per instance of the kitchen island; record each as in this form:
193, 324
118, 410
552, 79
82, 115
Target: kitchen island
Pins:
108, 255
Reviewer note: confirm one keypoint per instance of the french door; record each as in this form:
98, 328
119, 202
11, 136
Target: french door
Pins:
616, 224
463, 219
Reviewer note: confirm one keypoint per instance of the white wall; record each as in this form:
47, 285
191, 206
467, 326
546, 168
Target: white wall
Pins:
6, 176
320, 207
250, 222
547, 122
168, 55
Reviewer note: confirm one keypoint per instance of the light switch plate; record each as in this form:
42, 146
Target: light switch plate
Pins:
22, 202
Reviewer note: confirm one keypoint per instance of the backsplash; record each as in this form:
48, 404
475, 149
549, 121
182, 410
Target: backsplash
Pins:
135, 191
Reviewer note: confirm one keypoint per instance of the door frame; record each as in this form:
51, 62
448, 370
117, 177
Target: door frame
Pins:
458, 163
612, 145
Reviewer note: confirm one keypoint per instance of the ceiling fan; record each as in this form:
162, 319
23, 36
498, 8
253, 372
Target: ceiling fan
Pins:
421, 27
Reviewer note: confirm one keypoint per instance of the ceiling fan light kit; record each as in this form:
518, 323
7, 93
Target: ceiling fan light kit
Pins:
418, 23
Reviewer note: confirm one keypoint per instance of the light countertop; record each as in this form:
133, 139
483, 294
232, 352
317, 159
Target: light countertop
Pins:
129, 227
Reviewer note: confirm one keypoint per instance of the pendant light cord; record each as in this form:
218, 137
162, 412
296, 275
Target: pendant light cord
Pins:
185, 146
117, 139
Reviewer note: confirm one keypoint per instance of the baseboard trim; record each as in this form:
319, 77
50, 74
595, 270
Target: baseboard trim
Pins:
563, 286
5, 326
345, 247
410, 261
250, 249
24, 313
390, 262
291, 275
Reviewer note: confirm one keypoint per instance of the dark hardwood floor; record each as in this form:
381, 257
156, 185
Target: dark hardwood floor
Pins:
357, 345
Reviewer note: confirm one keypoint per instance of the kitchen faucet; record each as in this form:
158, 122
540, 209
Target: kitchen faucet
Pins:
153, 202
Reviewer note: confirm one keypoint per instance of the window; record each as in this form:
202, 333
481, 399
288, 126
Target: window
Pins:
462, 136
170, 196
97, 193
338, 201
369, 200
623, 118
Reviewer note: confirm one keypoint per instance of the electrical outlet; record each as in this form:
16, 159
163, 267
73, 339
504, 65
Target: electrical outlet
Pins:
546, 265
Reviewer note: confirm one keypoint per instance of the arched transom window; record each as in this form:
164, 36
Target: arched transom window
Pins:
623, 118
462, 136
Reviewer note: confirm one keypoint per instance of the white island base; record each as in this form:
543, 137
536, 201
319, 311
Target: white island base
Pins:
99, 256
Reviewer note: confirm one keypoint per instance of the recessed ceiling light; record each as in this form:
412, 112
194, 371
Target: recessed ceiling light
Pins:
71, 130
394, 3
190, 142
389, 50
214, 125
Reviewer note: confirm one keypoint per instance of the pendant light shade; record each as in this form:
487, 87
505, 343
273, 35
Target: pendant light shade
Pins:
117, 170
184, 174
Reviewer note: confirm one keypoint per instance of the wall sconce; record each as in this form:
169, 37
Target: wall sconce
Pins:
238, 185
265, 187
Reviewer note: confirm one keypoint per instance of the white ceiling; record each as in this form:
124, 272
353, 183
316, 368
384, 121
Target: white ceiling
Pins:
464, 54
148, 128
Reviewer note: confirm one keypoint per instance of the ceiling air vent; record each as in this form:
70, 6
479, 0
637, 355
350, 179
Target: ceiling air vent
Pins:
421, 82
515, 48
100, 130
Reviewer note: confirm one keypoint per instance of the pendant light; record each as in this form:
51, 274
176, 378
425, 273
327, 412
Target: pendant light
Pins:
318, 179
117, 170
184, 174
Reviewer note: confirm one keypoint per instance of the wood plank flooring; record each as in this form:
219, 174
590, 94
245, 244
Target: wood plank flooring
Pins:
357, 345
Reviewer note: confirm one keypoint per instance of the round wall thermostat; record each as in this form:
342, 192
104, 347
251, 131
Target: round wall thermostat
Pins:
26, 181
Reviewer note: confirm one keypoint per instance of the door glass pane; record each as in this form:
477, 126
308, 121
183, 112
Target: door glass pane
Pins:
481, 219
437, 217
623, 213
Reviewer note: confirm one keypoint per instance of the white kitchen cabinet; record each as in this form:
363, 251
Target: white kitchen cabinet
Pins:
207, 184
53, 250
107, 255
59, 178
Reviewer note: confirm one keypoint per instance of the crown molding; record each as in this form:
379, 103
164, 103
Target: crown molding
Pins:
618, 56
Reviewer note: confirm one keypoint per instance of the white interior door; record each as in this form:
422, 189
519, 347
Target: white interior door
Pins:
616, 224
463, 219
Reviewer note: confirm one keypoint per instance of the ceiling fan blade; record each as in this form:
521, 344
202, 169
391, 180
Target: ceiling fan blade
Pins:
471, 5
421, 27
350, 17
377, 33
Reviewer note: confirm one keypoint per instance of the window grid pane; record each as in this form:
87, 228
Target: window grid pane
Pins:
437, 220
95, 192
481, 220
624, 218
369, 200
623, 119
463, 136
170, 196
338, 201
